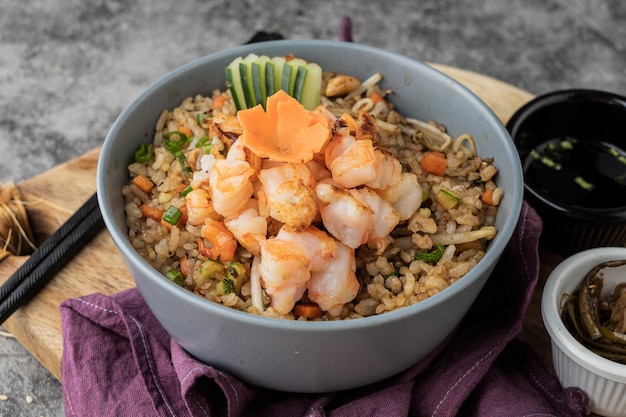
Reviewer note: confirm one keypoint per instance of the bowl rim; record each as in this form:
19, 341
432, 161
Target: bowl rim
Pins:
550, 311
496, 247
600, 216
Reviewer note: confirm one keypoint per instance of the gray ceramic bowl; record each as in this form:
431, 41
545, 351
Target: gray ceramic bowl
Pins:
311, 356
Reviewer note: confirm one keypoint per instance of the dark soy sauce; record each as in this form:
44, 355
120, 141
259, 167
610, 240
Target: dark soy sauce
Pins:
578, 172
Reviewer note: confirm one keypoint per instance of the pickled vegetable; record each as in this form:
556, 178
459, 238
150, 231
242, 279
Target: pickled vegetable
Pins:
598, 322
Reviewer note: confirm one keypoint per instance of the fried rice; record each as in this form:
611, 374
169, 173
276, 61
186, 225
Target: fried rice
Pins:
427, 253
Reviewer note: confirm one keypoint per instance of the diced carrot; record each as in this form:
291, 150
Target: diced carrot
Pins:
218, 102
434, 163
377, 98
183, 219
167, 225
151, 212
180, 187
184, 267
185, 131
143, 183
285, 132
310, 311
487, 197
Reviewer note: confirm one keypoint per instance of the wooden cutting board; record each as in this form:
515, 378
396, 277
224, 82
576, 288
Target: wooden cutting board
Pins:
54, 195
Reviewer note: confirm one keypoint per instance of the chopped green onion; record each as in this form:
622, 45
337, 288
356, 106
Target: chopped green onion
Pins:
175, 145
182, 160
432, 256
202, 141
201, 116
175, 276
186, 190
143, 154
172, 215
207, 149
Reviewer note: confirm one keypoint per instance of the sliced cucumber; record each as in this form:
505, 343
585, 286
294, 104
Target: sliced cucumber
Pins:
308, 85
290, 72
253, 79
245, 69
233, 79
274, 74
258, 79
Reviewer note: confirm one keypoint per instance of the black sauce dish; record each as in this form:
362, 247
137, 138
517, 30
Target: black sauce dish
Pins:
572, 145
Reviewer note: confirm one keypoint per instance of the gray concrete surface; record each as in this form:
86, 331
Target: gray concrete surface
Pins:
68, 68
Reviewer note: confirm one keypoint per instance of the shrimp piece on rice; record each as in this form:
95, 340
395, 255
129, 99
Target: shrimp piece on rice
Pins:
284, 269
384, 220
199, 207
222, 243
355, 161
293, 262
335, 283
249, 227
288, 192
346, 215
352, 162
231, 186
333, 279
405, 196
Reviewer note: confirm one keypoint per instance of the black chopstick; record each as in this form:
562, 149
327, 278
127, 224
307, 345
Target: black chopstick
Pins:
50, 257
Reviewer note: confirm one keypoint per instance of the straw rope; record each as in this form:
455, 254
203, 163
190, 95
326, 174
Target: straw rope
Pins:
16, 236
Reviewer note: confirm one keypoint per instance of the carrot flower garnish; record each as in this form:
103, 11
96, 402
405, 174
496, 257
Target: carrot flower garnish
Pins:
285, 132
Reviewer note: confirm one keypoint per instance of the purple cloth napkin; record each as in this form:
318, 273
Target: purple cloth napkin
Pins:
119, 361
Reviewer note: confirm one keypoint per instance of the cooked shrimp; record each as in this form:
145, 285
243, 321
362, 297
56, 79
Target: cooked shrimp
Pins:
238, 152
222, 243
335, 283
353, 163
405, 196
319, 246
384, 220
284, 269
199, 207
388, 170
249, 227
288, 192
230, 182
345, 214
226, 126
367, 127
331, 279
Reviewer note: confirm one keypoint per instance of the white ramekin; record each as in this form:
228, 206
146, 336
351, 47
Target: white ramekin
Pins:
602, 380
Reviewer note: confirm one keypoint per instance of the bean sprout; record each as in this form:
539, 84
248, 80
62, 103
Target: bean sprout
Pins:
370, 82
434, 139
